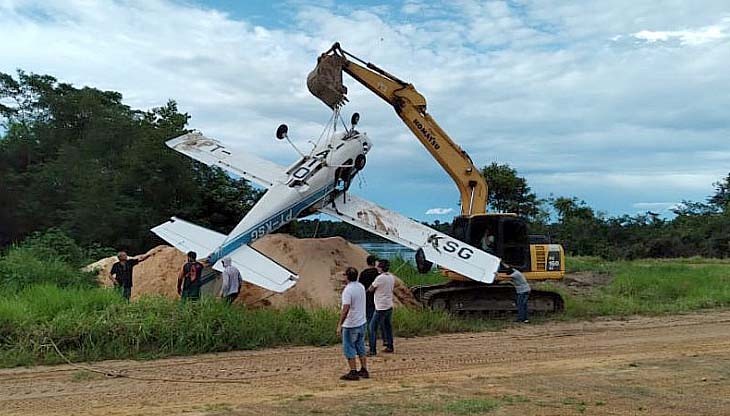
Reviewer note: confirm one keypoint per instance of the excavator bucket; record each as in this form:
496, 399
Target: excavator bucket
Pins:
325, 81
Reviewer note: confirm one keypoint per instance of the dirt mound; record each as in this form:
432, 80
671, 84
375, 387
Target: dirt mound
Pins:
319, 263
583, 283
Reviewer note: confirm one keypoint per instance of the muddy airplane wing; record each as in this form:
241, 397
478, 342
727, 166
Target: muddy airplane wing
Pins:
435, 246
213, 153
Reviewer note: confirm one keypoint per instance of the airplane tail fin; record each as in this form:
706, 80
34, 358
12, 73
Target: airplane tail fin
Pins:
254, 266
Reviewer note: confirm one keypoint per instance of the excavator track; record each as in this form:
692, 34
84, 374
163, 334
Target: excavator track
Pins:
470, 298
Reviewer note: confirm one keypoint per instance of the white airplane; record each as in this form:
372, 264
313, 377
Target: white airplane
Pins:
317, 182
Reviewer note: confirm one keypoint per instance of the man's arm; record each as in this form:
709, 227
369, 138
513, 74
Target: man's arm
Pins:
113, 274
180, 280
375, 284
142, 257
225, 284
343, 316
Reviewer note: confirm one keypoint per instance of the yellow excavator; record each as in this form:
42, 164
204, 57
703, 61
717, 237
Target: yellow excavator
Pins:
504, 235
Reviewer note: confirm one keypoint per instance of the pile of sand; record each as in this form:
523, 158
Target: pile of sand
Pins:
319, 263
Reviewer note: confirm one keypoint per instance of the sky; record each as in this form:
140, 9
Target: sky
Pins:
623, 104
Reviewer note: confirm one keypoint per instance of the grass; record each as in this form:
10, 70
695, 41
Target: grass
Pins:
654, 286
94, 324
46, 299
410, 275
471, 406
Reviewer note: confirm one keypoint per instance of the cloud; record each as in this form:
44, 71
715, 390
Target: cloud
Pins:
439, 211
656, 206
568, 93
693, 37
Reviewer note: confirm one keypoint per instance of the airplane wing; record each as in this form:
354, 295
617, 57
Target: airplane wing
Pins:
254, 266
438, 248
214, 153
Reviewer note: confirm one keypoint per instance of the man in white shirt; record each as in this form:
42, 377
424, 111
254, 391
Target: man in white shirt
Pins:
352, 325
231, 281
383, 295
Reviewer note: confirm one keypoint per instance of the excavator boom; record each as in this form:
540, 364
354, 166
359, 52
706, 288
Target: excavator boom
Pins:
325, 83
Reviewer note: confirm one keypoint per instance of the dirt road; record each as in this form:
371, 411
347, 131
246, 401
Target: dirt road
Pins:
676, 365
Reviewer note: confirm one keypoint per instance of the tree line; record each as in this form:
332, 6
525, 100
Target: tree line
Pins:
81, 161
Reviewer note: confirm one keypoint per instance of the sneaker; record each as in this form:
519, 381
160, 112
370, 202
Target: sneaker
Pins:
371, 354
351, 376
526, 321
389, 350
363, 373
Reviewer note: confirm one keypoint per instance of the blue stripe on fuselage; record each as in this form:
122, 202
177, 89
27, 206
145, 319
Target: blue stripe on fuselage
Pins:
270, 224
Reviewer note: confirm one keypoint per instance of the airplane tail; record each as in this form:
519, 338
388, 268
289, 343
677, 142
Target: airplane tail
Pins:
254, 266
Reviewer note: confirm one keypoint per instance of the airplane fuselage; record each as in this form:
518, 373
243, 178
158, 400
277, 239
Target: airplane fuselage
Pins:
312, 181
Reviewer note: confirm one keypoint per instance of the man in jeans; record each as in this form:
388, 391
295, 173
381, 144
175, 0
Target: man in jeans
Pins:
367, 277
188, 282
523, 292
352, 325
382, 288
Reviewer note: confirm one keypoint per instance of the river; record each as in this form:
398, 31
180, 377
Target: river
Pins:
388, 250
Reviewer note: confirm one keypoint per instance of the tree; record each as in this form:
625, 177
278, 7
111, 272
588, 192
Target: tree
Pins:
509, 192
570, 208
721, 199
81, 160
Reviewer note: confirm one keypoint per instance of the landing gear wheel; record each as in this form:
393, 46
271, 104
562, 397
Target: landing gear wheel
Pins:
360, 162
423, 265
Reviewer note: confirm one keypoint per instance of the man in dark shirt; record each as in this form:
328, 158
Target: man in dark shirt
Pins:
188, 282
366, 278
121, 273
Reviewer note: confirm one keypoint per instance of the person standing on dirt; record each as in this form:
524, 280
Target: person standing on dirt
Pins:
231, 281
367, 277
121, 273
351, 325
522, 288
188, 282
382, 289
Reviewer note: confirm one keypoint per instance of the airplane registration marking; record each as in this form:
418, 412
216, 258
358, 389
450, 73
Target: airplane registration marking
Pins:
270, 224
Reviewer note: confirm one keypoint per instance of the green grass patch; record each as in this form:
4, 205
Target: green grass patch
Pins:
652, 287
408, 273
471, 406
94, 324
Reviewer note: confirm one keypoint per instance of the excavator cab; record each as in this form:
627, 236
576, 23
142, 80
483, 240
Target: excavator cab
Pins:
504, 235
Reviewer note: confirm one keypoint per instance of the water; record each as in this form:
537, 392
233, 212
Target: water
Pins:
389, 251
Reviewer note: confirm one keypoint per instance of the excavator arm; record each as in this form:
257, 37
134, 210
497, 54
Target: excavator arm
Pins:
325, 83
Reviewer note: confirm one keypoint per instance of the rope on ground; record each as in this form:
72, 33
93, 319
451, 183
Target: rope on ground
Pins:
117, 374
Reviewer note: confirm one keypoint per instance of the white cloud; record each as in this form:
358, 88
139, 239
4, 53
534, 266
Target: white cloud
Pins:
656, 206
688, 36
439, 211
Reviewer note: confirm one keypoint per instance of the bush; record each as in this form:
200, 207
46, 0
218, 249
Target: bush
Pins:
51, 257
21, 267
55, 244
